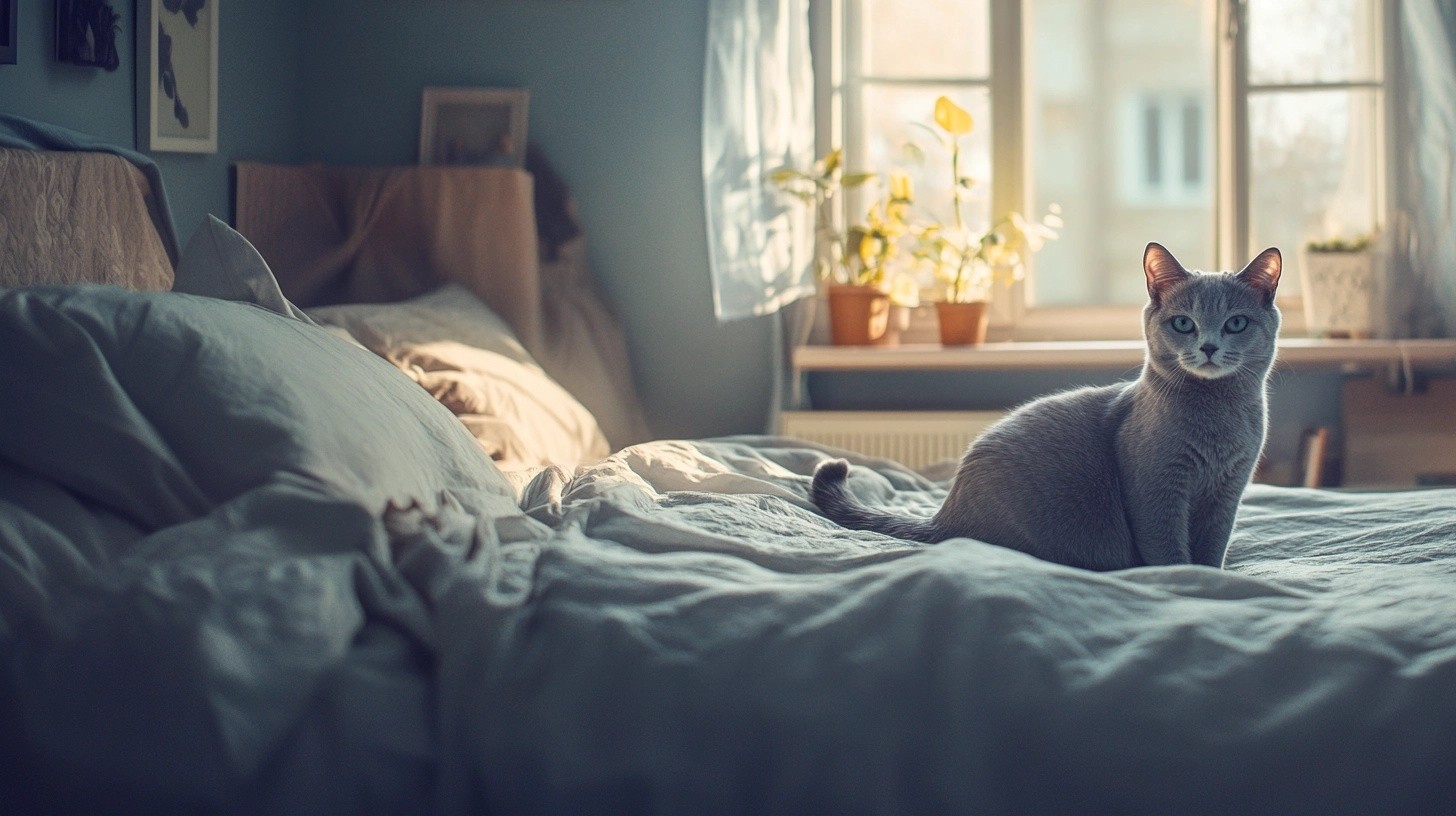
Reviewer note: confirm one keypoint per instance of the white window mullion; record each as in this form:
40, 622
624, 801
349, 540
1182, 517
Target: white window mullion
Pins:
827, 38
1393, 131
1010, 160
1231, 76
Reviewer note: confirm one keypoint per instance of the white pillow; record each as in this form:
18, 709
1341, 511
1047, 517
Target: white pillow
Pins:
220, 263
449, 313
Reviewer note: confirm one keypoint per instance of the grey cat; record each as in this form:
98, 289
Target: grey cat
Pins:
1138, 473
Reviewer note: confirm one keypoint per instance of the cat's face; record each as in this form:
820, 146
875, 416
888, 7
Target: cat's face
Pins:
1211, 325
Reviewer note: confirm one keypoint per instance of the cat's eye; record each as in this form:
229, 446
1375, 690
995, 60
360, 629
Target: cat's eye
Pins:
1183, 324
1236, 324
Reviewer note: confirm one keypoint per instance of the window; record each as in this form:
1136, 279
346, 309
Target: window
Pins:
1216, 128
1168, 161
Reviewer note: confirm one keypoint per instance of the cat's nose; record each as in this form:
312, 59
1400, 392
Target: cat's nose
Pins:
1208, 349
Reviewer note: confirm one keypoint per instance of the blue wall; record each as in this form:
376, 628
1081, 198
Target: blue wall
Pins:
258, 117
616, 91
616, 96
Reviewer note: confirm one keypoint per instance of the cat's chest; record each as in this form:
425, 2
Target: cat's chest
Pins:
1197, 448
1215, 449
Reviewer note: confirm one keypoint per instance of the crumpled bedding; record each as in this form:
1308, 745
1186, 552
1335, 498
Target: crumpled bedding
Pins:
699, 640
363, 618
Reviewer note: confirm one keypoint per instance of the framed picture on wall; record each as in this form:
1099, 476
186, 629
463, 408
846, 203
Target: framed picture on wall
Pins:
86, 32
177, 75
8, 34
473, 126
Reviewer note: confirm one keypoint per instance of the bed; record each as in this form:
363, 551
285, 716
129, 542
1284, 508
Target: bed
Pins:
258, 556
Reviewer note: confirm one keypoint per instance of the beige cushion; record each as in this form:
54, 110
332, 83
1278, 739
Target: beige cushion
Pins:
518, 414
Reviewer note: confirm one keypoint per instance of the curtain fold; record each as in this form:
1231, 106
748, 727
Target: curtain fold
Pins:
1420, 294
758, 111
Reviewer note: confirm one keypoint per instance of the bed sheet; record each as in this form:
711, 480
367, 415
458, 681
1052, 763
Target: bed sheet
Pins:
697, 639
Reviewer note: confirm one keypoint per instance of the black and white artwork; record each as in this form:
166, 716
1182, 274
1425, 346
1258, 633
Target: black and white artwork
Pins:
177, 75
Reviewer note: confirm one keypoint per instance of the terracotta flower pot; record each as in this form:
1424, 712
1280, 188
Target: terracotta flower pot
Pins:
962, 324
858, 315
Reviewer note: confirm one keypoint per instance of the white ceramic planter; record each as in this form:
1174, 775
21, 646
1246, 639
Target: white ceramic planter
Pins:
1339, 293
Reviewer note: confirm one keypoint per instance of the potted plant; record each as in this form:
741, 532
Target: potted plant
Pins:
853, 266
967, 264
1339, 283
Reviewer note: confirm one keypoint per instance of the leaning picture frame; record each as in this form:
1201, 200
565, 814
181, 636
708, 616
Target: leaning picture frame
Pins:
177, 76
480, 126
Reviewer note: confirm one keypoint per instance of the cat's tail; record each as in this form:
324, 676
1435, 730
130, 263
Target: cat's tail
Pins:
829, 491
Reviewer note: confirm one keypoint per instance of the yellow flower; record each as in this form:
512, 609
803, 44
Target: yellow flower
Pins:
901, 187
952, 117
870, 246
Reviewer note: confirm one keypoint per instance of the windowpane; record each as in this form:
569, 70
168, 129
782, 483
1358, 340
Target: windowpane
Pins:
1193, 154
1313, 41
1122, 106
1153, 143
1313, 170
942, 39
887, 118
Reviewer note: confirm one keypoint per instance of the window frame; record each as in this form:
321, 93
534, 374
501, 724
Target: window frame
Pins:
1015, 317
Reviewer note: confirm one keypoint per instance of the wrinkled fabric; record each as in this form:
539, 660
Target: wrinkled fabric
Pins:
758, 116
1420, 297
200, 608
699, 640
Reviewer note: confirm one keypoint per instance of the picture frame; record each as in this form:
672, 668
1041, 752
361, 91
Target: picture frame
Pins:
9, 14
473, 126
86, 34
177, 76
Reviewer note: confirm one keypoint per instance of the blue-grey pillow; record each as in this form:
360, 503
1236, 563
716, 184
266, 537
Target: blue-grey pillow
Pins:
164, 406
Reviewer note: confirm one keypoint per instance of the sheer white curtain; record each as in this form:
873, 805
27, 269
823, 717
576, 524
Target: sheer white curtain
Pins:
1421, 294
758, 115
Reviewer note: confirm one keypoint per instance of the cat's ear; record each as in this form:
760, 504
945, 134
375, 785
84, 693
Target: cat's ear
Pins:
1162, 270
1262, 273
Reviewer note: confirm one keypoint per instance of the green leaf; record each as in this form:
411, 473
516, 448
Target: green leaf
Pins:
941, 138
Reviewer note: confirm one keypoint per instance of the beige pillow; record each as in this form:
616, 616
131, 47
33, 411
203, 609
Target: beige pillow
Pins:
518, 414
450, 312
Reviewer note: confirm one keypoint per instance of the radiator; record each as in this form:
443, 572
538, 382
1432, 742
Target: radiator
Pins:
913, 438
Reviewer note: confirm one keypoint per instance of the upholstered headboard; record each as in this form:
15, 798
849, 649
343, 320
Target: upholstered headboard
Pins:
78, 217
379, 234
76, 209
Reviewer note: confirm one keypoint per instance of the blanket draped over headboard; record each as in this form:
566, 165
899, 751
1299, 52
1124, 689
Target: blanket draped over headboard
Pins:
379, 234
79, 217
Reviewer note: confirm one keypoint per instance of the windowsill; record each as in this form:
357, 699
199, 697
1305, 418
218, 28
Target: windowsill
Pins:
1071, 323
1347, 355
